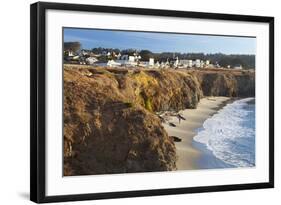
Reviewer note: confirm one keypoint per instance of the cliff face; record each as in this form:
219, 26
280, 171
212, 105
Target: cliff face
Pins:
105, 133
160, 90
109, 120
227, 83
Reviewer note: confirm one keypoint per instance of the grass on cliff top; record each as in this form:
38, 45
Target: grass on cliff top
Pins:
144, 79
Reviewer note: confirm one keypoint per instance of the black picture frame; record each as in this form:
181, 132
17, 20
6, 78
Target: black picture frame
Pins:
38, 101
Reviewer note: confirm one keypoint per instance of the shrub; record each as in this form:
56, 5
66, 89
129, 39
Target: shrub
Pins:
148, 105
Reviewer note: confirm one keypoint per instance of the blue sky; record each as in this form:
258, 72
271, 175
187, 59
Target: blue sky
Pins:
161, 42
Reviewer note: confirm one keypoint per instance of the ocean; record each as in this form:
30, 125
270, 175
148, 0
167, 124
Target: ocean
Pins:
227, 139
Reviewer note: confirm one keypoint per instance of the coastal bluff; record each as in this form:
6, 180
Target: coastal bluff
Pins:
110, 120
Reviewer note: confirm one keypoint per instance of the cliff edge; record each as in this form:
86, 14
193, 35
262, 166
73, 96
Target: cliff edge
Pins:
110, 125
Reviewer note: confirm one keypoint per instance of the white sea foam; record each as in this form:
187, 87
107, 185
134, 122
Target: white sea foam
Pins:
230, 134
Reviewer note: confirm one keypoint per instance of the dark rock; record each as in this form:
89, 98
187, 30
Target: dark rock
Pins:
176, 139
181, 117
172, 124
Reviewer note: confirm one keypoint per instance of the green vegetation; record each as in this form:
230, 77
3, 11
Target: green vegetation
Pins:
72, 46
148, 105
145, 55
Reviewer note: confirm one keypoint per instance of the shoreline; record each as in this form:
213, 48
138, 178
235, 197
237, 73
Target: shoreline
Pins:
185, 130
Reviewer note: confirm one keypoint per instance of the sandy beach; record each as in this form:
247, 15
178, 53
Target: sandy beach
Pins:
186, 129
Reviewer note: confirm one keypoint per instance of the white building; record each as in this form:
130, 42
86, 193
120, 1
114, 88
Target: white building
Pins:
238, 67
112, 63
70, 53
131, 59
91, 60
138, 58
189, 63
151, 62
127, 60
83, 53
186, 63
143, 64
157, 64
176, 63
118, 56
197, 63
162, 65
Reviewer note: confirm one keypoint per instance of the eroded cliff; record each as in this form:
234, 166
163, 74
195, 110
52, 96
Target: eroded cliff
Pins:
110, 125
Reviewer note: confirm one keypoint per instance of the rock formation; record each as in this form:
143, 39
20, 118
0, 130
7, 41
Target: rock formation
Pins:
110, 125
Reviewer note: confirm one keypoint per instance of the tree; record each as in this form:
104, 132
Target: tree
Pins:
129, 51
145, 55
72, 46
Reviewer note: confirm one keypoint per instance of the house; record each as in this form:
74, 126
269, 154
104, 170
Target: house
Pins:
157, 64
131, 59
91, 60
162, 65
118, 56
112, 63
109, 63
69, 53
189, 63
238, 67
138, 57
183, 62
176, 62
207, 64
167, 63
142, 63
186, 63
151, 62
173, 63
198, 63
130, 63
217, 65
84, 52
71, 56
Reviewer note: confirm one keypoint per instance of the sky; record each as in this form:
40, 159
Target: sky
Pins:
161, 42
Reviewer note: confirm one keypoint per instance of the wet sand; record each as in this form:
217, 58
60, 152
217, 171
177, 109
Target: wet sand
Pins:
186, 129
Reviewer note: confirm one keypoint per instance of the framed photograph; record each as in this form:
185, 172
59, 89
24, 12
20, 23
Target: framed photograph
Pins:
129, 102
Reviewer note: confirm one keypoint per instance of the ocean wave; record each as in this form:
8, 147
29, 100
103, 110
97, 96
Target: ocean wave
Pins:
230, 134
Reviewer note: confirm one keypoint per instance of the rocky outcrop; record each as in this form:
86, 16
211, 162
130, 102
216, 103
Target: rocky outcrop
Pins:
227, 83
104, 133
158, 90
109, 120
